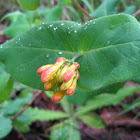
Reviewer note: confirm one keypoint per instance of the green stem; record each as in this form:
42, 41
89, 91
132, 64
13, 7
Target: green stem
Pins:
81, 9
77, 56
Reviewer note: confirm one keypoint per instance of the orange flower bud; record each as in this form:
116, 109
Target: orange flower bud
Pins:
49, 72
66, 85
60, 60
49, 85
64, 69
42, 68
58, 96
78, 74
70, 72
71, 90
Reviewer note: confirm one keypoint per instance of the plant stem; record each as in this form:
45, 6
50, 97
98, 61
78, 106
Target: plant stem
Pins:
136, 13
26, 106
77, 56
81, 9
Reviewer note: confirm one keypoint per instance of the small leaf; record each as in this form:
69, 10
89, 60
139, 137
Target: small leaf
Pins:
66, 131
106, 100
6, 83
29, 4
36, 114
108, 7
19, 24
22, 126
18, 103
131, 106
81, 96
130, 10
92, 120
51, 14
5, 126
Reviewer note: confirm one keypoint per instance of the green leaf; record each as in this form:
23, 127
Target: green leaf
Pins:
36, 114
29, 4
131, 106
5, 126
67, 106
88, 4
21, 125
93, 120
19, 102
6, 83
19, 24
81, 96
13, 15
111, 46
51, 14
108, 7
130, 10
106, 100
137, 80
66, 131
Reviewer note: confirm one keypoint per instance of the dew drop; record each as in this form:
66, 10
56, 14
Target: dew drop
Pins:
51, 25
79, 24
47, 55
60, 52
108, 42
39, 28
75, 31
55, 28
62, 24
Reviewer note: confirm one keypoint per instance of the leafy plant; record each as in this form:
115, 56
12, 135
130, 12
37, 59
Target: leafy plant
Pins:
8, 109
107, 49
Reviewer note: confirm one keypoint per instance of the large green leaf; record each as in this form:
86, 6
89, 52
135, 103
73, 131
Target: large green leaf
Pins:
29, 4
106, 99
67, 131
6, 83
5, 126
108, 7
36, 114
111, 46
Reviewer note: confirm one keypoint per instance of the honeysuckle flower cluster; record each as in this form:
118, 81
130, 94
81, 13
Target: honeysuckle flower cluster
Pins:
62, 74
